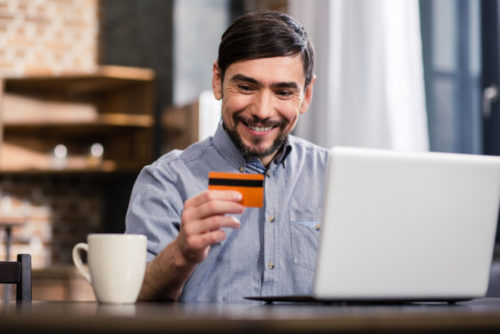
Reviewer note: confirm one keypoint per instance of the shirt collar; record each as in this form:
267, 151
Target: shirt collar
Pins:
284, 152
225, 146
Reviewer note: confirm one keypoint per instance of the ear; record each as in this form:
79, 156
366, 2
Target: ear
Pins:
216, 82
308, 94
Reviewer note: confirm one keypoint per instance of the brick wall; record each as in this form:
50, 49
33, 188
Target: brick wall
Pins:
59, 212
48, 36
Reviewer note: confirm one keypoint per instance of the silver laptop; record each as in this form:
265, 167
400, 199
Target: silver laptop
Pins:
405, 227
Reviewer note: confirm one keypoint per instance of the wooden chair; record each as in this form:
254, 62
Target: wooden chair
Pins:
18, 273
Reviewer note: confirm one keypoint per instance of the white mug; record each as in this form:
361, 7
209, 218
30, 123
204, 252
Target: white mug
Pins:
117, 263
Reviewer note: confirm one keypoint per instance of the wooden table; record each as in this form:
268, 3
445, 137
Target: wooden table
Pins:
482, 315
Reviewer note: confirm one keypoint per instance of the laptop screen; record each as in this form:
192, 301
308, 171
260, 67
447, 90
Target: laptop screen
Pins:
407, 225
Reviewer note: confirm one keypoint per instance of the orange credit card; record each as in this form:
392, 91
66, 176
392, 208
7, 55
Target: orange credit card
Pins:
251, 186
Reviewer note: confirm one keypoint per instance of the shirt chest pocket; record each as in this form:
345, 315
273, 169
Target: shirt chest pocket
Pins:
304, 233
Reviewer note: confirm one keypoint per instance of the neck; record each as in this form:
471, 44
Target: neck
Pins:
266, 161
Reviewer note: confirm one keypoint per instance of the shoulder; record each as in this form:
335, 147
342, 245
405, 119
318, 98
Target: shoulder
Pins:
178, 173
176, 161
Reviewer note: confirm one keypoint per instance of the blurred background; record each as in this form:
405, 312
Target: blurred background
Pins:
91, 91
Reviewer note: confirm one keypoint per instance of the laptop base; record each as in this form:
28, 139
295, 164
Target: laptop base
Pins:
307, 299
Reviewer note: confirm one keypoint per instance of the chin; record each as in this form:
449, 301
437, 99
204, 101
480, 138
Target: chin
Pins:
258, 150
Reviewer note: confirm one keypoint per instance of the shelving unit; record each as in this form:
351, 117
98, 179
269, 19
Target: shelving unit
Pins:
112, 106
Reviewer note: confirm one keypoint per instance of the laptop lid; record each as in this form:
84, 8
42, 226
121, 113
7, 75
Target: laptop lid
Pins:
407, 226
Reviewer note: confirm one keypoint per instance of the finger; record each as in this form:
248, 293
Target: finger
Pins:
218, 208
210, 224
200, 242
211, 208
209, 195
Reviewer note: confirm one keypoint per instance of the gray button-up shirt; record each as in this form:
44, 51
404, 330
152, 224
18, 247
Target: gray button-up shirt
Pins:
273, 252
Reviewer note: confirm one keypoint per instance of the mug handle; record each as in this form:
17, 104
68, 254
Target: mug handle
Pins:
77, 260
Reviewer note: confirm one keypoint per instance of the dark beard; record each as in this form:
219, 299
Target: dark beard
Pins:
248, 152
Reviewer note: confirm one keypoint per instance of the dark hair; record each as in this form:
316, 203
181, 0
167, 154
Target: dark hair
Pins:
265, 34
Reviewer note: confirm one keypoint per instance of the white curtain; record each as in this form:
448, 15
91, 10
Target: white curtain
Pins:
369, 90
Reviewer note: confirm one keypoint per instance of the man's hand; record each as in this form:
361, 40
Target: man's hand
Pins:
202, 220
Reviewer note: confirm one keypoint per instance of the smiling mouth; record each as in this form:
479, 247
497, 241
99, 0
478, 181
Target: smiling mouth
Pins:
260, 127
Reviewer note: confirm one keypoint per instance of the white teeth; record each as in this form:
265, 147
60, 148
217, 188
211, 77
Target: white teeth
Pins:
260, 129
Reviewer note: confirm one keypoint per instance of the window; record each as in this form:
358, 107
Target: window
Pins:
452, 71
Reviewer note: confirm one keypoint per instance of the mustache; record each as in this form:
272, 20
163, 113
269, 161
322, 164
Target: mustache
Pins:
257, 121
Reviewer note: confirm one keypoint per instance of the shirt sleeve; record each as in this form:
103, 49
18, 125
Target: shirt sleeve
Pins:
155, 209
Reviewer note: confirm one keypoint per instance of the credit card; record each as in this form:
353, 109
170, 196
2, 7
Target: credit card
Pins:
251, 186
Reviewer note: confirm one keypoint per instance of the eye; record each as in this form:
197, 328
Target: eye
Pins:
244, 88
284, 93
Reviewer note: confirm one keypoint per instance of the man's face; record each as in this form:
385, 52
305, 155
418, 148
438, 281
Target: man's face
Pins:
261, 102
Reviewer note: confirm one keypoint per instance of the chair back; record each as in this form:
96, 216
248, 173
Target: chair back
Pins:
18, 273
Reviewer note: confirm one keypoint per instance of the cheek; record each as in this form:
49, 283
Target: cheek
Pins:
289, 110
232, 105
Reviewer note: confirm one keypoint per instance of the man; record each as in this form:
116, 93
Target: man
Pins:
204, 245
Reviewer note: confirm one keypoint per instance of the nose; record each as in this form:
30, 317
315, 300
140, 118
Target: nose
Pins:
263, 106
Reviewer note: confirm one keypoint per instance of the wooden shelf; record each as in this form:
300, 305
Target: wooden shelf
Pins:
75, 165
71, 171
112, 106
106, 78
104, 120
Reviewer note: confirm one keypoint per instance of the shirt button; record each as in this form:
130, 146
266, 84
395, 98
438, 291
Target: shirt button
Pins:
268, 174
242, 169
317, 227
270, 265
271, 219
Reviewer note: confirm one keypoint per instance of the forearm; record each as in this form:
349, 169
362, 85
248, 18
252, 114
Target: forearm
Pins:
165, 275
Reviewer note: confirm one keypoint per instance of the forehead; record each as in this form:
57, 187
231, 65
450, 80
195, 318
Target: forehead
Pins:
270, 70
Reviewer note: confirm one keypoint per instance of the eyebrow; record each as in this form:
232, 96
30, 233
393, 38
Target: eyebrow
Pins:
242, 77
292, 85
